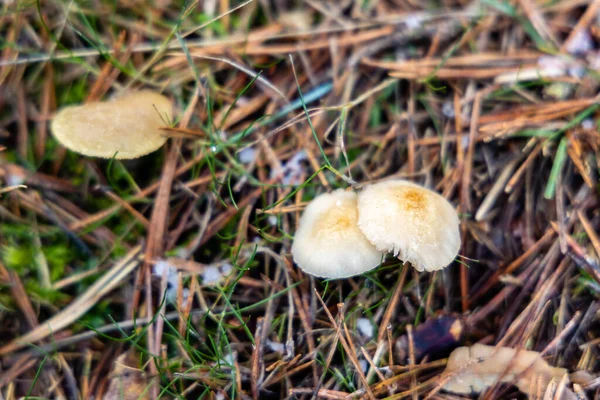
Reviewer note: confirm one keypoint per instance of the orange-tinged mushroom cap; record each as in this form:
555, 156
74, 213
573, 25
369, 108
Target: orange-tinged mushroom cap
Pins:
414, 223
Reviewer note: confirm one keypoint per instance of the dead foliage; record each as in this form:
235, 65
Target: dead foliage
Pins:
494, 104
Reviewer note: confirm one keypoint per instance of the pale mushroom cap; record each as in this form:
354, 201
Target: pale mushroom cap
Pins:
128, 126
328, 242
414, 223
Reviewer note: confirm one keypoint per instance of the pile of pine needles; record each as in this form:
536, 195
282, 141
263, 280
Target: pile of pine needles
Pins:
170, 276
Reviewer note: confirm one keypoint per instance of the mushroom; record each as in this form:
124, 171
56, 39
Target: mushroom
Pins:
414, 223
128, 126
328, 243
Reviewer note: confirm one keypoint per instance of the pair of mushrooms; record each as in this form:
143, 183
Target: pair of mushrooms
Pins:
342, 234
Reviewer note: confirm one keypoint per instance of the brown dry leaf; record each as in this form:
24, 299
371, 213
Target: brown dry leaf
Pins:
474, 369
127, 381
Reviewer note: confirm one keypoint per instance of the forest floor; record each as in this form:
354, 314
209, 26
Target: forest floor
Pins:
170, 276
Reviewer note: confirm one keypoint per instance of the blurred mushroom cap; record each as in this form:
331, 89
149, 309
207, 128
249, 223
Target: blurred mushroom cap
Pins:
328, 243
414, 223
128, 126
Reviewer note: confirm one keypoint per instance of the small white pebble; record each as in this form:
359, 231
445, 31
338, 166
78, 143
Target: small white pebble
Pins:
291, 178
299, 156
293, 170
587, 124
448, 109
582, 42
211, 275
465, 141
243, 101
160, 267
247, 155
577, 71
14, 179
226, 269
414, 21
276, 347
163, 267
184, 294
159, 270
364, 365
365, 327
230, 358
276, 172
289, 349
385, 370
552, 66
272, 220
